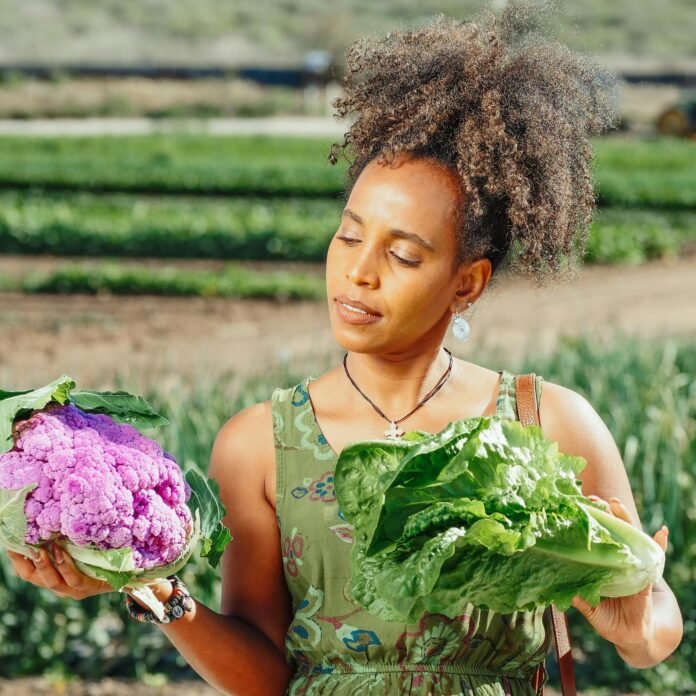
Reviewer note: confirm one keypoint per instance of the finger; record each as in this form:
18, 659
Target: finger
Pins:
661, 537
48, 576
72, 576
582, 606
600, 501
646, 591
22, 566
620, 511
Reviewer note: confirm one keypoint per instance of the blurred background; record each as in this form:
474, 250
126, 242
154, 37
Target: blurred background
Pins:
165, 207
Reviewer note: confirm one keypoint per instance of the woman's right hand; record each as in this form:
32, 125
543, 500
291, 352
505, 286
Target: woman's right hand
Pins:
60, 574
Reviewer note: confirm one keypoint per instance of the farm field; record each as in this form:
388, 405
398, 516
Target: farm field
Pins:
153, 338
190, 269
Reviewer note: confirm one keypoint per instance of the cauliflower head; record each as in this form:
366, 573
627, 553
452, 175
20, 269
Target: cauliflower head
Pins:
100, 483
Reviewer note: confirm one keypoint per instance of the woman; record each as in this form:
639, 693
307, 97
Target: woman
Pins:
470, 152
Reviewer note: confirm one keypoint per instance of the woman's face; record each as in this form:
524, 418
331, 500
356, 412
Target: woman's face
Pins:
393, 252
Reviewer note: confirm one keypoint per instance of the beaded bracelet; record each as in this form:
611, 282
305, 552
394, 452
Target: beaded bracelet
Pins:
175, 607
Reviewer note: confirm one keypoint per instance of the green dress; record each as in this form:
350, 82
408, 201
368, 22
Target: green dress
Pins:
338, 648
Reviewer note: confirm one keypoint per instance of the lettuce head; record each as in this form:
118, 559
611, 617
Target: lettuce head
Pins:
486, 512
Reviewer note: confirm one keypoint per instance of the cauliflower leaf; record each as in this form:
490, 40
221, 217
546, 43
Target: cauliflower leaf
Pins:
14, 405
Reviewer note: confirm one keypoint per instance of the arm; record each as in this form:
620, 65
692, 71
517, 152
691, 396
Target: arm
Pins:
239, 650
570, 420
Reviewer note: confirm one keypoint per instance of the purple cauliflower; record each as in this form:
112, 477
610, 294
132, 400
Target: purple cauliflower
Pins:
100, 483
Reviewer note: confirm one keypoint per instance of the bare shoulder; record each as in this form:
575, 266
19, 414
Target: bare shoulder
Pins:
569, 419
244, 446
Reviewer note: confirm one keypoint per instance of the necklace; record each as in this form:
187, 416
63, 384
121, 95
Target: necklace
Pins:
392, 432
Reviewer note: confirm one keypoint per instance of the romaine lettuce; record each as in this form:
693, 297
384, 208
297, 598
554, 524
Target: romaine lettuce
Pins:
486, 512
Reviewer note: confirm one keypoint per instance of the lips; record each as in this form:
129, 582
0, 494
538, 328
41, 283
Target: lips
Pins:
359, 305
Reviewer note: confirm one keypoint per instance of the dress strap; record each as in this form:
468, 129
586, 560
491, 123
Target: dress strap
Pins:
506, 403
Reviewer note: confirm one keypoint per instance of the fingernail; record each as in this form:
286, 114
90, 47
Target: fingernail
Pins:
664, 528
33, 555
58, 554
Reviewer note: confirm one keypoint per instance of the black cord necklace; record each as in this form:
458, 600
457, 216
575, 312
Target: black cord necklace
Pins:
393, 432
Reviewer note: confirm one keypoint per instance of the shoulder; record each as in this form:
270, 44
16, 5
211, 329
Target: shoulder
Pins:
569, 419
243, 449
563, 411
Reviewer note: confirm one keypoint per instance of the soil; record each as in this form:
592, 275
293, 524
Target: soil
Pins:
149, 340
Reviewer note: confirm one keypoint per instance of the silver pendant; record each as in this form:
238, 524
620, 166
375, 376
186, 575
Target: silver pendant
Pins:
393, 432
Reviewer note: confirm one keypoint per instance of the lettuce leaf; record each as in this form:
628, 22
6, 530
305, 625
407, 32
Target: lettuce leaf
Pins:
486, 512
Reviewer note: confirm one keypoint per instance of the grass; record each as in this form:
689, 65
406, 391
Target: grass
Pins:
167, 227
169, 32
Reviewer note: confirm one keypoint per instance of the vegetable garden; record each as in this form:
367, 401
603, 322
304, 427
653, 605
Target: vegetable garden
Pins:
111, 203
263, 198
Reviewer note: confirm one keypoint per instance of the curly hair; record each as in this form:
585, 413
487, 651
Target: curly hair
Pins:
506, 109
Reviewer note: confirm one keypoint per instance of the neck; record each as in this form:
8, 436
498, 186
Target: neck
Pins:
396, 383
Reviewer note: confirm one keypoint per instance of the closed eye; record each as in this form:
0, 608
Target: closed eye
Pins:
402, 261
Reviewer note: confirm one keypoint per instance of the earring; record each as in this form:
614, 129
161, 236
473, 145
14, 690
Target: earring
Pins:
461, 327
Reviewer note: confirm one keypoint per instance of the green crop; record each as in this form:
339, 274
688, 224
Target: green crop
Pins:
485, 513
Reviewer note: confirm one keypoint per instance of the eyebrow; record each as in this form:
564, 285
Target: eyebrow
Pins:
395, 232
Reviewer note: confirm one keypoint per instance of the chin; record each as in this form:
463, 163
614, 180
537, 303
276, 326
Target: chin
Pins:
355, 343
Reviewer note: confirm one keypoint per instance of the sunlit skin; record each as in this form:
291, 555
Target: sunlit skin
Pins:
395, 361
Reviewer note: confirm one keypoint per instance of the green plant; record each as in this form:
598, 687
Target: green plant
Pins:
116, 279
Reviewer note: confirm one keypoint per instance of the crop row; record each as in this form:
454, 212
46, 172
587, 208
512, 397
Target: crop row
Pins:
261, 229
173, 227
654, 173
117, 279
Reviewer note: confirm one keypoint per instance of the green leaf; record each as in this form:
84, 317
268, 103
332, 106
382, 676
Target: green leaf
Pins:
121, 406
205, 501
15, 405
13, 521
117, 580
115, 560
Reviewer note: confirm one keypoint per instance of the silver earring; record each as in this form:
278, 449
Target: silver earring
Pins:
461, 327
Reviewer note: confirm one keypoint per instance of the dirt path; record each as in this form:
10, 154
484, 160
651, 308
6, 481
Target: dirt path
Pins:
303, 126
150, 339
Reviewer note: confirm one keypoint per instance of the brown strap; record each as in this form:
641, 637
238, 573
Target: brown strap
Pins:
528, 414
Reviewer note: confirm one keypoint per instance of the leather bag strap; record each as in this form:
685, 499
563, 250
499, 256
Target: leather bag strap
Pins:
528, 414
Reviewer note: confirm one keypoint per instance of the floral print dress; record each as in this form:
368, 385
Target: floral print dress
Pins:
338, 648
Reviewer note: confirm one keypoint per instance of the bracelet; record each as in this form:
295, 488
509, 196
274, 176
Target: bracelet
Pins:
179, 602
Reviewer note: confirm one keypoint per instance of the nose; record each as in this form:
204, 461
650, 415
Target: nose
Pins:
361, 270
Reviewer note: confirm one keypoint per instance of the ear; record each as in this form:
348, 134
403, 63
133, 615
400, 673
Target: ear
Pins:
473, 279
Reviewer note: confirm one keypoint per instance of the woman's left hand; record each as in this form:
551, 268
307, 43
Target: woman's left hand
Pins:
625, 621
